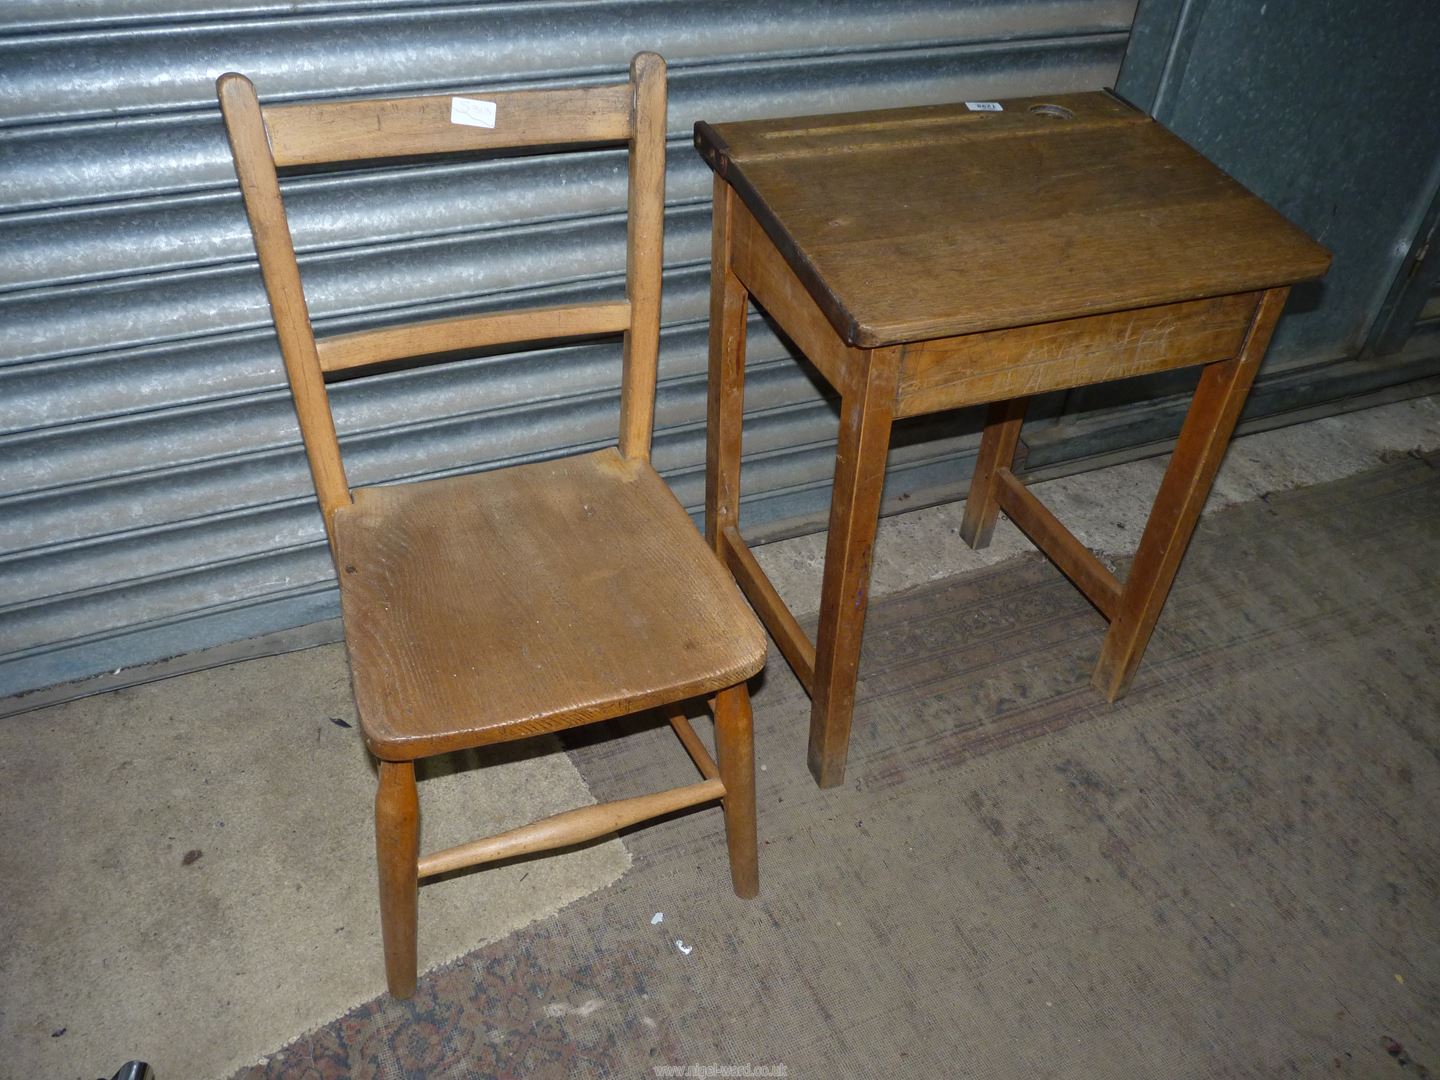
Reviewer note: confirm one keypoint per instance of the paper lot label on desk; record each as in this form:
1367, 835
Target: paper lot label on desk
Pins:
472, 112
984, 106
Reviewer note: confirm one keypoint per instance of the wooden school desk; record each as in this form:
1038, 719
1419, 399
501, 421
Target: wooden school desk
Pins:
942, 256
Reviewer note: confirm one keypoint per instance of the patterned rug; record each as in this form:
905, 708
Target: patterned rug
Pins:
1232, 872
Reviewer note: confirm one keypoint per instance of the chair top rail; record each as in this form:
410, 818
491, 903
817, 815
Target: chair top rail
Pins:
447, 123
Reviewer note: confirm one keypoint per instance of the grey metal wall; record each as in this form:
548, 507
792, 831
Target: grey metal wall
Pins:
153, 496
1328, 111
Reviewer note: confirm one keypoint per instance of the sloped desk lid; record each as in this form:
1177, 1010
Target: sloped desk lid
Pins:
925, 222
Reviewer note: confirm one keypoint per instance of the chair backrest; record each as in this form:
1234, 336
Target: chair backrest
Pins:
263, 139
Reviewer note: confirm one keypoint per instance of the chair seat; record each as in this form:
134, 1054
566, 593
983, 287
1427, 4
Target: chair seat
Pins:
497, 605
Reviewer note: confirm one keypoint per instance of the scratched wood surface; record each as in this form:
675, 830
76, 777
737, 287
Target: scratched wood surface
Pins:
993, 365
391, 127
919, 223
775, 286
486, 607
363, 347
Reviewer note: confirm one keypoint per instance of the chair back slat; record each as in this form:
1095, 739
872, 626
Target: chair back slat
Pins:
264, 139
446, 123
471, 332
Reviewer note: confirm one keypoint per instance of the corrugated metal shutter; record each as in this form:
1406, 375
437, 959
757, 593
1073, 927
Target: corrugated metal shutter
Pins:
154, 498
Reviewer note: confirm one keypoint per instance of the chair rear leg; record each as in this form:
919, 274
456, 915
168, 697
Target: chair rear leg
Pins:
735, 747
397, 851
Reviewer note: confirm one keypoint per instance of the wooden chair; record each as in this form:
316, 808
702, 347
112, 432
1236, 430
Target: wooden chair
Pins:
495, 606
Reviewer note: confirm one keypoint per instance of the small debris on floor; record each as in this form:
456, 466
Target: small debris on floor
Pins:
657, 918
57, 1033
561, 1008
686, 949
191, 856
339, 722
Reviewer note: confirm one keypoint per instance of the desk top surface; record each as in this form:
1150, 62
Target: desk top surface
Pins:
926, 222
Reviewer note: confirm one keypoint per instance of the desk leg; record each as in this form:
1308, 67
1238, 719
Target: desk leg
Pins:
726, 393
1198, 452
997, 450
866, 411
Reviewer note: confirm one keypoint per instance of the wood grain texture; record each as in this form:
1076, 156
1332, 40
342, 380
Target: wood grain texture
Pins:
403, 127
1180, 500
860, 456
493, 606
735, 747
260, 190
363, 347
772, 282
930, 222
994, 365
725, 389
1075, 561
685, 732
884, 130
789, 636
570, 827
397, 844
645, 253
997, 450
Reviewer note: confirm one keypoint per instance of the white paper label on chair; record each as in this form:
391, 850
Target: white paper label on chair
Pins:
984, 106
472, 112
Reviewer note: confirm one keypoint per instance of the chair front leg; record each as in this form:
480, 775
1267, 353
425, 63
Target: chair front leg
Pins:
735, 747
397, 853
